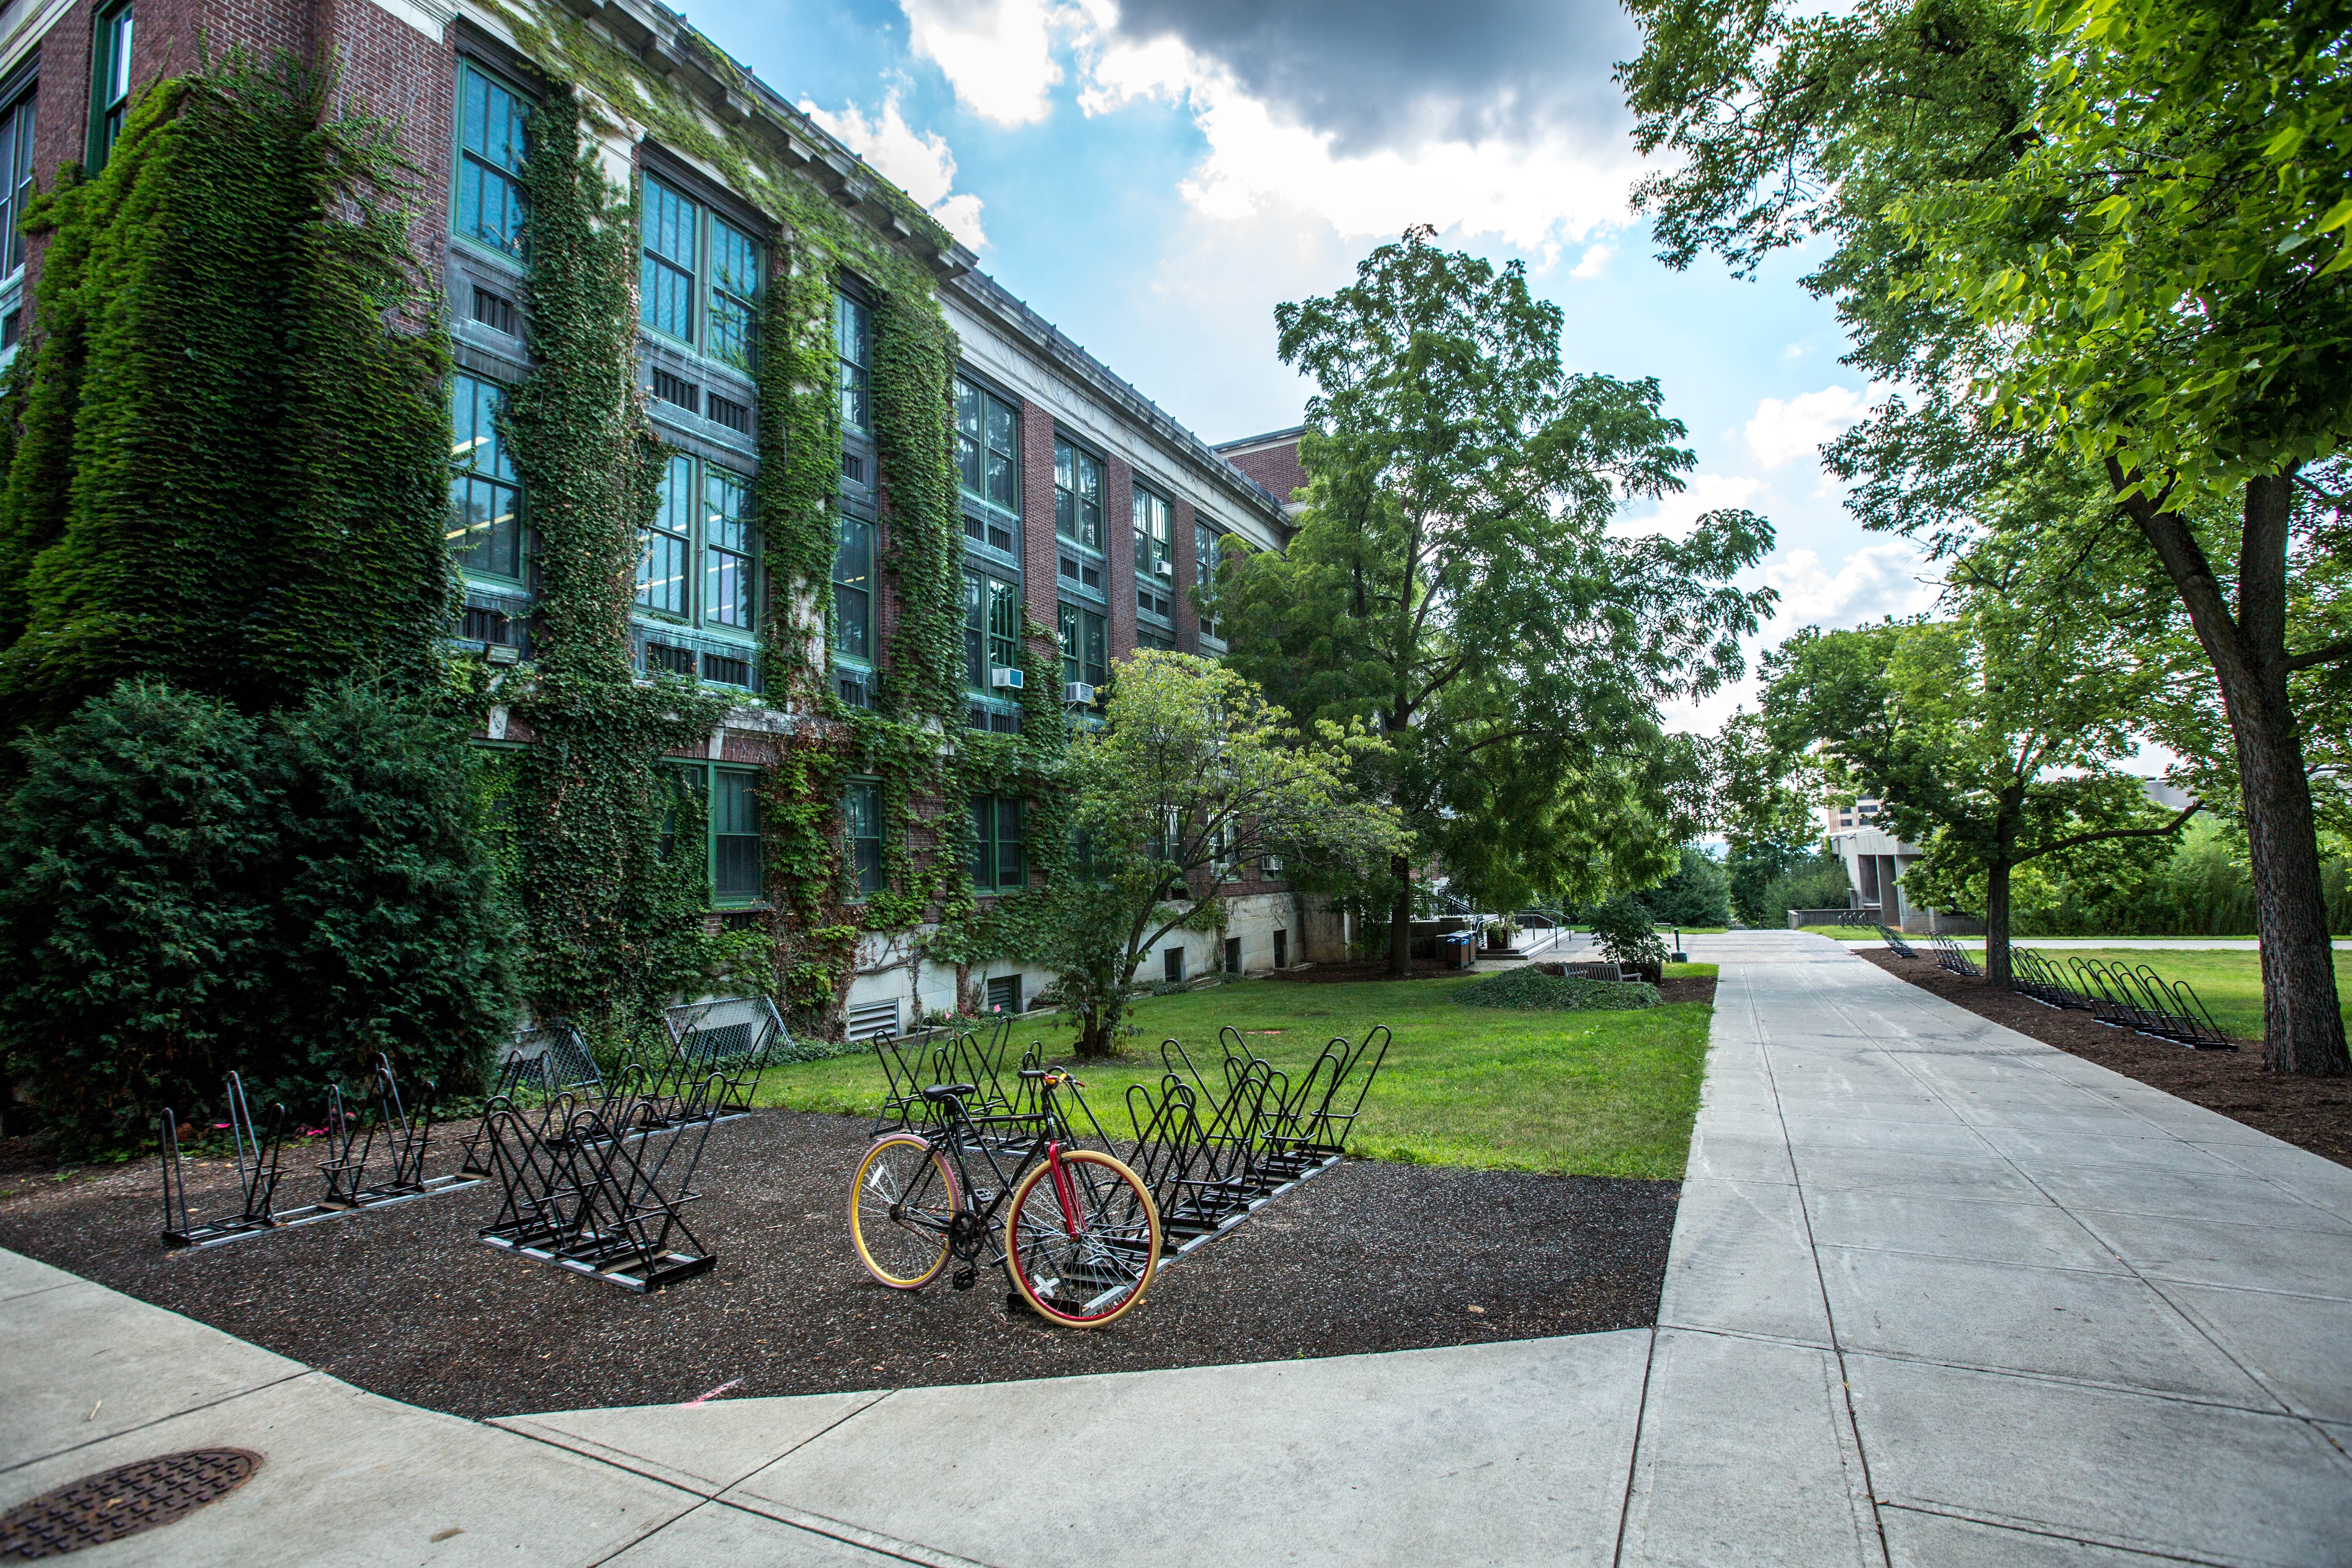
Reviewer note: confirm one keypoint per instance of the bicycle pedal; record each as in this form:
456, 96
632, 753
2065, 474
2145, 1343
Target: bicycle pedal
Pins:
965, 1278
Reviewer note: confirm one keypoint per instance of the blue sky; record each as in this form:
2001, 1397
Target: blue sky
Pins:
1155, 178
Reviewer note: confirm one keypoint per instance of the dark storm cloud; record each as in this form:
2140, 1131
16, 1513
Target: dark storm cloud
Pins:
1395, 73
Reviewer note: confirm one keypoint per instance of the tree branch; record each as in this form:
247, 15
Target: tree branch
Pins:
2191, 809
2319, 656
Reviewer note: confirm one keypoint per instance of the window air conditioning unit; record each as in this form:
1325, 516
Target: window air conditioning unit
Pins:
1078, 693
1164, 568
1009, 680
499, 653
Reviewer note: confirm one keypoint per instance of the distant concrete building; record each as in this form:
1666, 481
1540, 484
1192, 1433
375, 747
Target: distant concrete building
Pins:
1859, 813
1875, 861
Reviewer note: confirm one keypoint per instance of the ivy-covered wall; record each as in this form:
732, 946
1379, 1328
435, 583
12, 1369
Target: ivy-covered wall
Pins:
229, 467
913, 739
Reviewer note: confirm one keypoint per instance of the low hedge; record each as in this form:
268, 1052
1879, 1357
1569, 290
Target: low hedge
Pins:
1532, 991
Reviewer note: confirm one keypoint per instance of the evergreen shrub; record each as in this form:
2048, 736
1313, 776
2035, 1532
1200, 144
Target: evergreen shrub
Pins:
186, 889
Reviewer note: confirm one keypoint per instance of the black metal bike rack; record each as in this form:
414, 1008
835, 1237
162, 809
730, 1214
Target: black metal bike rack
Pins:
596, 1185
383, 1137
257, 1155
1952, 957
1893, 940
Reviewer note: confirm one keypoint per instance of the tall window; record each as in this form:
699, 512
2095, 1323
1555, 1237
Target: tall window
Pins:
15, 180
110, 82
854, 351
991, 628
485, 529
734, 836
861, 829
1155, 559
988, 464
853, 588
734, 293
726, 549
670, 224
1085, 646
997, 861
488, 209
1205, 558
1078, 497
664, 547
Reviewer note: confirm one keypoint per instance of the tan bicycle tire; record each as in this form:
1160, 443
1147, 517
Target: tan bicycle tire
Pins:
877, 1149
1044, 1171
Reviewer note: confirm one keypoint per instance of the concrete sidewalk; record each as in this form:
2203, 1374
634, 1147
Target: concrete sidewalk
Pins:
1938, 1295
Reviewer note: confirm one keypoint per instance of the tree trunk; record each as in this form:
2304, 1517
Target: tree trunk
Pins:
2303, 1030
1997, 882
1401, 920
1996, 963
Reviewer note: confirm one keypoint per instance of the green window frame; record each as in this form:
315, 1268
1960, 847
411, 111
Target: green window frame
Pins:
988, 462
1145, 636
485, 532
492, 123
1208, 549
991, 629
703, 527
670, 225
853, 348
999, 863
666, 545
1078, 497
734, 304
861, 831
735, 858
1155, 553
16, 178
110, 81
1085, 646
727, 568
853, 590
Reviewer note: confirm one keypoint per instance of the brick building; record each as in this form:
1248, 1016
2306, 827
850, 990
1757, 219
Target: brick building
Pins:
1053, 450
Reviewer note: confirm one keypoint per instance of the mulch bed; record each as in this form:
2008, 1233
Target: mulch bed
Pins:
1701, 990
2314, 1114
403, 1301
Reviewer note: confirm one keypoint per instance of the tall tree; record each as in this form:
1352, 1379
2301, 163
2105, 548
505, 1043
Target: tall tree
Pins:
1194, 775
2166, 267
2095, 242
1992, 738
1452, 583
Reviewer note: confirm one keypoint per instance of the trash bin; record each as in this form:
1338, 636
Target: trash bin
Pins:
1461, 948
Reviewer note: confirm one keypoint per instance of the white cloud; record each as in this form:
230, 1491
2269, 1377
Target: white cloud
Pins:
1676, 515
1590, 264
1783, 432
998, 54
1537, 196
1005, 57
1890, 578
921, 164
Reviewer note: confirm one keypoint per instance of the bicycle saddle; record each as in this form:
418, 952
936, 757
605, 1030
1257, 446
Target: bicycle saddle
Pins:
943, 1090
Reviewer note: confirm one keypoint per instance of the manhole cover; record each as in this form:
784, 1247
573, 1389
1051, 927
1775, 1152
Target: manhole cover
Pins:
122, 1501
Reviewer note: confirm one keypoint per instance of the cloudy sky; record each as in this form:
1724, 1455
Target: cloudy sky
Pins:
1154, 175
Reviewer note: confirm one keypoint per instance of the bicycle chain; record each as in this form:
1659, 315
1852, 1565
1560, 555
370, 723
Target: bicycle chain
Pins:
965, 1233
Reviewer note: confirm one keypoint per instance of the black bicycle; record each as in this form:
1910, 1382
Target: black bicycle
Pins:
1075, 1230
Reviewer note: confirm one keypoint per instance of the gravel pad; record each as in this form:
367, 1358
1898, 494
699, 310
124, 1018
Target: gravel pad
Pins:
405, 1302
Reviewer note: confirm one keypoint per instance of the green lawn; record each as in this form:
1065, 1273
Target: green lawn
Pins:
2228, 981
1604, 1094
1843, 933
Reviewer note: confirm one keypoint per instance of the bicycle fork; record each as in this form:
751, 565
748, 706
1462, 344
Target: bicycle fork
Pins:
1065, 1192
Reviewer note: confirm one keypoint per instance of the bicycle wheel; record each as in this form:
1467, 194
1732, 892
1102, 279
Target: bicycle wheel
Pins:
1086, 1261
900, 1203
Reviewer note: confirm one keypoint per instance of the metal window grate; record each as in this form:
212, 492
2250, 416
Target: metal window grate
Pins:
495, 311
853, 467
495, 627
725, 671
735, 416
677, 660
669, 388
874, 1018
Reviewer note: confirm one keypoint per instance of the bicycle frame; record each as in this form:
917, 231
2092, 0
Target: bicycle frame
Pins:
959, 1134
